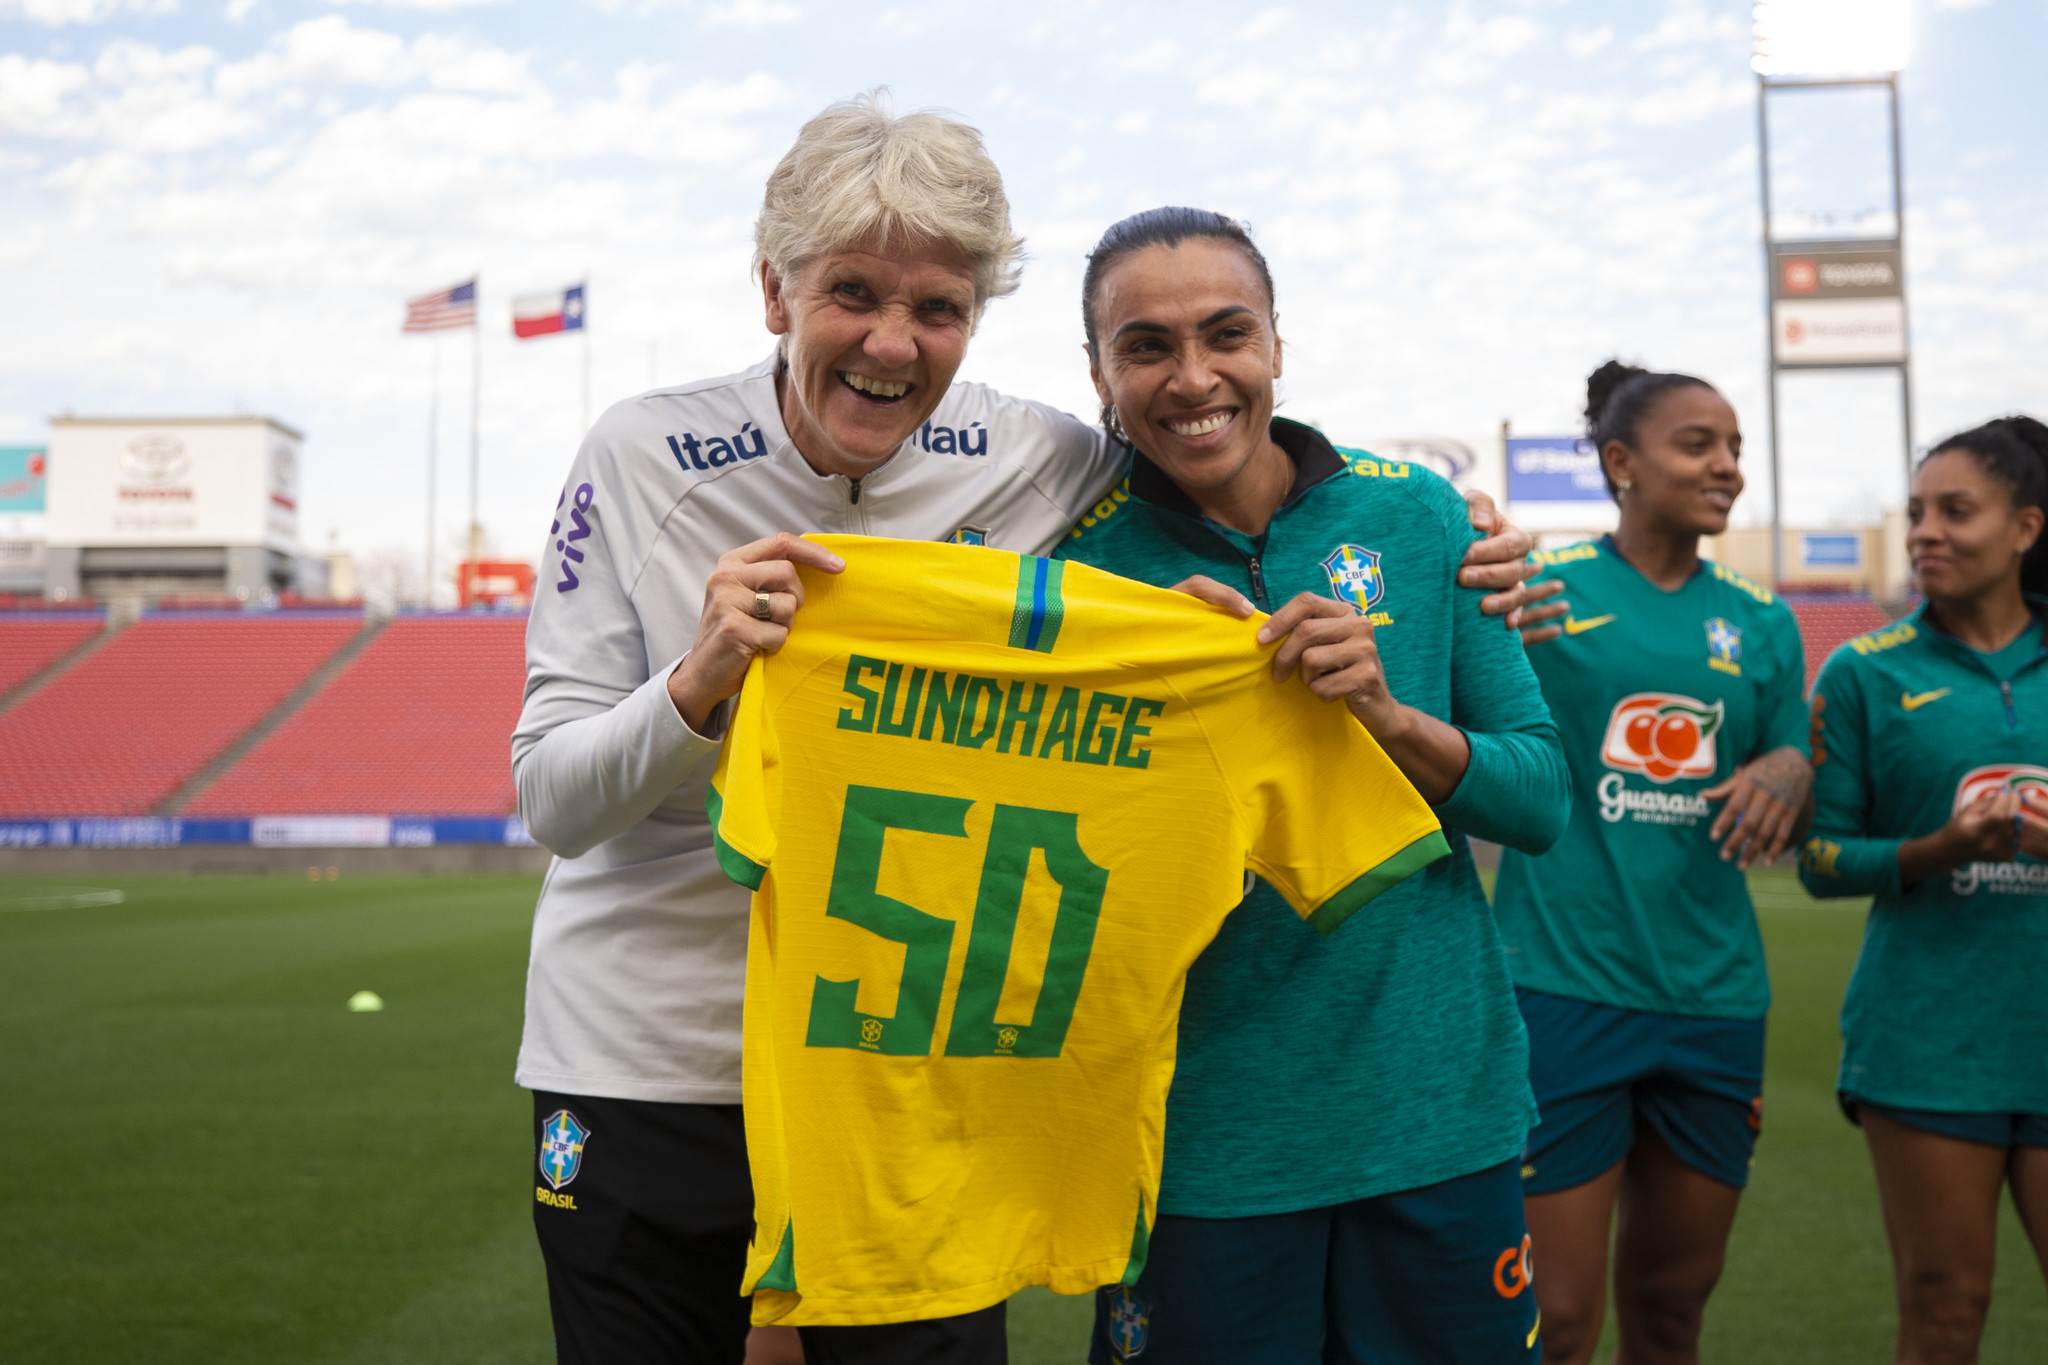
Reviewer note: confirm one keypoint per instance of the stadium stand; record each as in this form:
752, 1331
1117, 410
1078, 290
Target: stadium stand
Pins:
31, 641
420, 722
1825, 622
121, 730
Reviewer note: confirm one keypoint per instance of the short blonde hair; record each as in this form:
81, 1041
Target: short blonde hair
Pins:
858, 172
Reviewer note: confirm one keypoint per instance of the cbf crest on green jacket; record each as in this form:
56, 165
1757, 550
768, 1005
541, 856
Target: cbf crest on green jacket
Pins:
1659, 696
1394, 1052
1946, 1009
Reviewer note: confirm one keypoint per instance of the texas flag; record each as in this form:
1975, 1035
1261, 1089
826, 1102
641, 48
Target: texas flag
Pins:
555, 310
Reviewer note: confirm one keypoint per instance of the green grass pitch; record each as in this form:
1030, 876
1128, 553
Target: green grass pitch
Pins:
211, 1159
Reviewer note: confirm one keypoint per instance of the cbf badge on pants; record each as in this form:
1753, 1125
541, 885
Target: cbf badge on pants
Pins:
1129, 1317
561, 1148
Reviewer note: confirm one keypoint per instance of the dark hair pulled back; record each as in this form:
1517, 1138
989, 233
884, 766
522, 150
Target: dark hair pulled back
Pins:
1160, 227
1618, 396
2012, 451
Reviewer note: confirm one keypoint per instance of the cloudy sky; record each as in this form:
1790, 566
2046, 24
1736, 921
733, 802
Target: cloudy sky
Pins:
221, 206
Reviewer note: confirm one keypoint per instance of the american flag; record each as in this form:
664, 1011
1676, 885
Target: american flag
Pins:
451, 307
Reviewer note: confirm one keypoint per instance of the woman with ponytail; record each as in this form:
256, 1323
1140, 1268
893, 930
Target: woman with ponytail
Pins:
1930, 754
1678, 689
1340, 1169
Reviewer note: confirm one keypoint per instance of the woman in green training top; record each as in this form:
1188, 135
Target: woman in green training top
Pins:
1346, 1116
1678, 689
1930, 755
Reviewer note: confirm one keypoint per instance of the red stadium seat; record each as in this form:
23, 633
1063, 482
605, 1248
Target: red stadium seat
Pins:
1824, 624
132, 722
419, 723
30, 643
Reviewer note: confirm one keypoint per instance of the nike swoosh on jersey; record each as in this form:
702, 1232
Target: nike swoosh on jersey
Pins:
1913, 701
1573, 626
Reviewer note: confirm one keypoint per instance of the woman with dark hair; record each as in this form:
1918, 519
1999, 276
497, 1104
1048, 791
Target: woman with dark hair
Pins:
1346, 1117
1676, 685
1930, 754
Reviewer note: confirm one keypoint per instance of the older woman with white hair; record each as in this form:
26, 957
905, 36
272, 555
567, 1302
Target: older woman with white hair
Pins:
671, 564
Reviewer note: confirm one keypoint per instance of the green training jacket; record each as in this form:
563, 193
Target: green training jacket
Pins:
1659, 696
1947, 1008
1391, 1055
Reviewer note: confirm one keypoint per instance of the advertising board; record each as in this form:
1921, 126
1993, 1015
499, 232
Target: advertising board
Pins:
173, 481
1554, 469
23, 471
1830, 550
1838, 302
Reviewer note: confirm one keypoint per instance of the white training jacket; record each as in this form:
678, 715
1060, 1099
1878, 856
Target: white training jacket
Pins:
639, 941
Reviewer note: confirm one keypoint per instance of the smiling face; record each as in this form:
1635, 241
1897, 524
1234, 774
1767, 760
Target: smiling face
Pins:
1963, 533
1187, 353
873, 339
1683, 471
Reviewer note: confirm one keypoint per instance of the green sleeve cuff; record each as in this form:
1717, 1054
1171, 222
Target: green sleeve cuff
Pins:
1516, 789
1835, 865
731, 861
1396, 869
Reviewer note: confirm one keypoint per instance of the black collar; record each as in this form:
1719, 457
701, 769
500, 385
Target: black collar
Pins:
1315, 459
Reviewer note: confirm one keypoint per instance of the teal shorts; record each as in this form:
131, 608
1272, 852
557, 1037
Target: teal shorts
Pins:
1599, 1070
1437, 1274
1991, 1129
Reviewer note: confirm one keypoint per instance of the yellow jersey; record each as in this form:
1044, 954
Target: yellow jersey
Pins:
992, 807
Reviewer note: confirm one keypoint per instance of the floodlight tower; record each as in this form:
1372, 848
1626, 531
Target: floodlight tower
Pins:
1832, 303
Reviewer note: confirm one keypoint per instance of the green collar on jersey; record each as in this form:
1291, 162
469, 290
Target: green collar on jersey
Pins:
1948, 645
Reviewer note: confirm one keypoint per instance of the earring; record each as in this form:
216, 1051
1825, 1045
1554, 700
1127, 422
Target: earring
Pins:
1623, 487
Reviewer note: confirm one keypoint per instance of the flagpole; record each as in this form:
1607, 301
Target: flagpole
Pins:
585, 329
433, 460
476, 382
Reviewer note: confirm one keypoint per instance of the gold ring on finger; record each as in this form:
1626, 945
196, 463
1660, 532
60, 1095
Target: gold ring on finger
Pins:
764, 607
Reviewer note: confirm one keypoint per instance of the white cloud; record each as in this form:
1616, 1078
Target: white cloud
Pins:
411, 4
57, 13
1584, 43
1471, 51
33, 91
752, 13
1686, 24
330, 52
1266, 23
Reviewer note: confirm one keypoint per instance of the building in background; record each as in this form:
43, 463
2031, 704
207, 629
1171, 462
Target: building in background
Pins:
144, 508
23, 478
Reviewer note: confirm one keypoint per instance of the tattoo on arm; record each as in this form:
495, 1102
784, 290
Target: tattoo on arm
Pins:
1785, 774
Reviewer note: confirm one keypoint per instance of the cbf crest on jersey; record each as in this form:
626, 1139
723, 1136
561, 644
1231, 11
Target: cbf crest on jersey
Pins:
561, 1148
1130, 1317
1355, 577
1724, 646
971, 535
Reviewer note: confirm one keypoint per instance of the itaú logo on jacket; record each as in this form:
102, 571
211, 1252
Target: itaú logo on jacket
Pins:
1662, 735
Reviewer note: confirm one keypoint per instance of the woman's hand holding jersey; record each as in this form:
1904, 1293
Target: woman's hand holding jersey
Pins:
732, 631
1333, 648
1769, 805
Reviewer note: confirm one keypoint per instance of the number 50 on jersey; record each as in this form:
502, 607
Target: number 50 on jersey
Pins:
1015, 833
